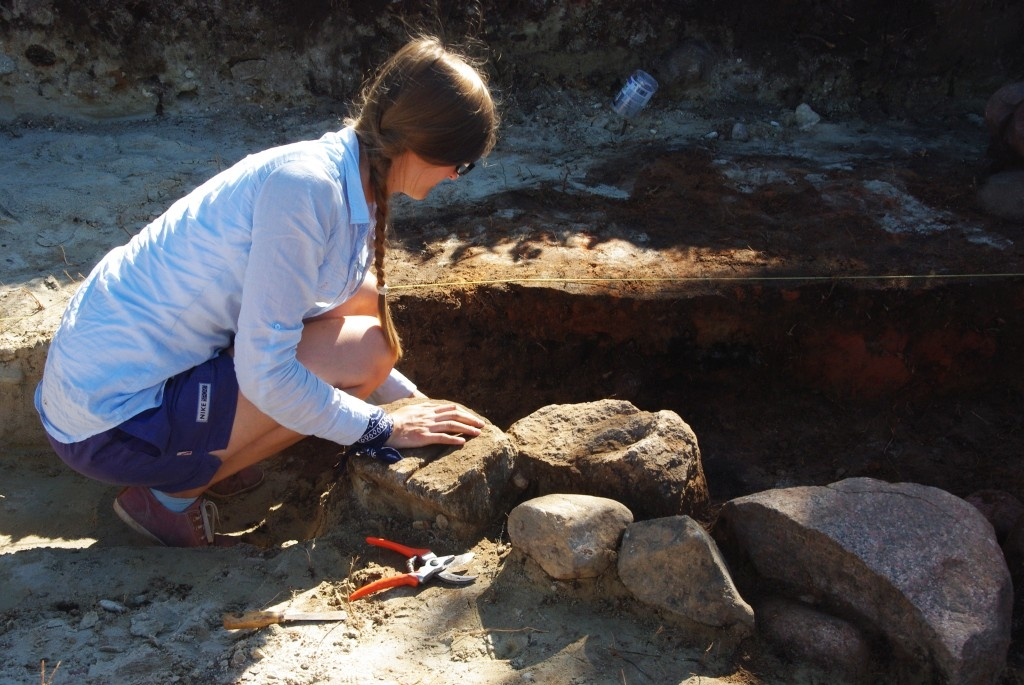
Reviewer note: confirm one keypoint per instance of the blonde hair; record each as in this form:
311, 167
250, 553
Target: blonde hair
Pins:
432, 101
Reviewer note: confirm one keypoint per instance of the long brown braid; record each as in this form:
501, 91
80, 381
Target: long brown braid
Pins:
379, 167
431, 101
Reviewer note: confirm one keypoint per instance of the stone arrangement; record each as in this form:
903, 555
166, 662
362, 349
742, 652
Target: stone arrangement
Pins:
860, 577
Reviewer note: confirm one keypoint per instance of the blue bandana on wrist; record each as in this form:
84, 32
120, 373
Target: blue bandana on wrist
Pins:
371, 442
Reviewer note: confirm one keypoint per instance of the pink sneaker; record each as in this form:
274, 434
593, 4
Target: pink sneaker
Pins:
194, 527
245, 480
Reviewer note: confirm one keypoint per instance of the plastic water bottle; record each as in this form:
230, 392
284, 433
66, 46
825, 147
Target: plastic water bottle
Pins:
635, 95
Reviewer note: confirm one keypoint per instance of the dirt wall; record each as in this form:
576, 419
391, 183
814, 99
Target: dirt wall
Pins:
119, 58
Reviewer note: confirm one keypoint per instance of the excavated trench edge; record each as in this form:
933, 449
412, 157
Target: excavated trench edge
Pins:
851, 343
770, 373
811, 382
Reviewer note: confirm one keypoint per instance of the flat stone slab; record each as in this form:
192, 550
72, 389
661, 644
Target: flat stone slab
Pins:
468, 486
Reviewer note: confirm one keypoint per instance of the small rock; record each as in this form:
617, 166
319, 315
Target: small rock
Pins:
1002, 195
1001, 106
804, 634
40, 56
673, 563
687, 64
740, 132
806, 118
569, 536
112, 606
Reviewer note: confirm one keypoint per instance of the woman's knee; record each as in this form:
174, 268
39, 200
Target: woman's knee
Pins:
376, 356
349, 353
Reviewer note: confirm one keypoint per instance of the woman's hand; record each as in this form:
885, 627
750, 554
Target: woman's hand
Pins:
417, 425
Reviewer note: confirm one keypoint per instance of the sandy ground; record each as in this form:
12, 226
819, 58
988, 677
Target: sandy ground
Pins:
86, 601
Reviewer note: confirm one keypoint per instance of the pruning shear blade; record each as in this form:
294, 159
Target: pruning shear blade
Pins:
457, 562
430, 566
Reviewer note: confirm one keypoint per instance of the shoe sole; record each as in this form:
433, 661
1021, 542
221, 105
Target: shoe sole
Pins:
135, 525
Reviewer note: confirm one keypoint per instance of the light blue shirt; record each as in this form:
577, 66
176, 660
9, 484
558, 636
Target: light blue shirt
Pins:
281, 236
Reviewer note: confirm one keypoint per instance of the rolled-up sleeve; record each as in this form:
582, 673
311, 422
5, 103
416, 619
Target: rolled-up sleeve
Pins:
296, 210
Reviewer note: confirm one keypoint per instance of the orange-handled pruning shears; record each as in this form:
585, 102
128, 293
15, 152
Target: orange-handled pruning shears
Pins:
430, 565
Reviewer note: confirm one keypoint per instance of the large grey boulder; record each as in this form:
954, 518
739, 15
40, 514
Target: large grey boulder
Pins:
673, 564
467, 487
912, 563
569, 536
650, 462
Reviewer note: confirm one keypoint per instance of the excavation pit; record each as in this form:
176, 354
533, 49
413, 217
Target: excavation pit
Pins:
803, 337
782, 385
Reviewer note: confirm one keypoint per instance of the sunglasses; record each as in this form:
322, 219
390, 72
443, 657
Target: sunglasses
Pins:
463, 169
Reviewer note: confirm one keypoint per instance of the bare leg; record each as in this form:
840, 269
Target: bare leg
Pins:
349, 352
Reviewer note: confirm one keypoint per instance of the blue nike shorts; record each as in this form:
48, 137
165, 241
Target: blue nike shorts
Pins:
167, 447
